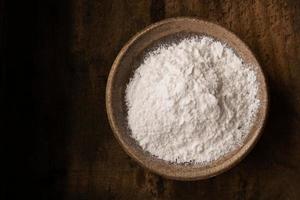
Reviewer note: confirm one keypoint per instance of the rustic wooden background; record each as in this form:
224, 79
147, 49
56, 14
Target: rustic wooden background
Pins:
55, 59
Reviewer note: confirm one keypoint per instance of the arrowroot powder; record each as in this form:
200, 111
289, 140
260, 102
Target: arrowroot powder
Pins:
192, 102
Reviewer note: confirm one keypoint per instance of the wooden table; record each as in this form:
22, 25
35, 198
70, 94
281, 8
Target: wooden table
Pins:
56, 59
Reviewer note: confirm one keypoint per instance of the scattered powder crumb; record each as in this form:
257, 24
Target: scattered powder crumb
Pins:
192, 101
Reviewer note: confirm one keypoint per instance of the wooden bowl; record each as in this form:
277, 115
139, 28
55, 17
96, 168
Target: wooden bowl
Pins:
129, 59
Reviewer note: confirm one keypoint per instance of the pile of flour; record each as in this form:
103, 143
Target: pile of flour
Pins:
192, 101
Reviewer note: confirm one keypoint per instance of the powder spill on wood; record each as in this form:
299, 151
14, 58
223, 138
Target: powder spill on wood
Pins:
193, 101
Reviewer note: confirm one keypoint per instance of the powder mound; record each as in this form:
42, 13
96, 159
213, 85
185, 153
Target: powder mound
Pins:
192, 101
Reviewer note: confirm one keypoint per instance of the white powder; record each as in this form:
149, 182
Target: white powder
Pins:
193, 101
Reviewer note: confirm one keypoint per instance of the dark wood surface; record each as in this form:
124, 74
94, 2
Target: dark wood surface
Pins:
55, 59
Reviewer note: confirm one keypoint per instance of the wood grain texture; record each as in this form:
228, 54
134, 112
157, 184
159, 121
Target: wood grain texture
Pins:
70, 46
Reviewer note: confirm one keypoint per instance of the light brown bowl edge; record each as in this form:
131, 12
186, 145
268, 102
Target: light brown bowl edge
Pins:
206, 173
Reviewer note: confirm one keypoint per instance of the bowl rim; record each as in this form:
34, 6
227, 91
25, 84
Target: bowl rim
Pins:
247, 147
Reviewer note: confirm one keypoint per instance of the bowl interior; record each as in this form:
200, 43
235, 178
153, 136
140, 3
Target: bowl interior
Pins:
129, 59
